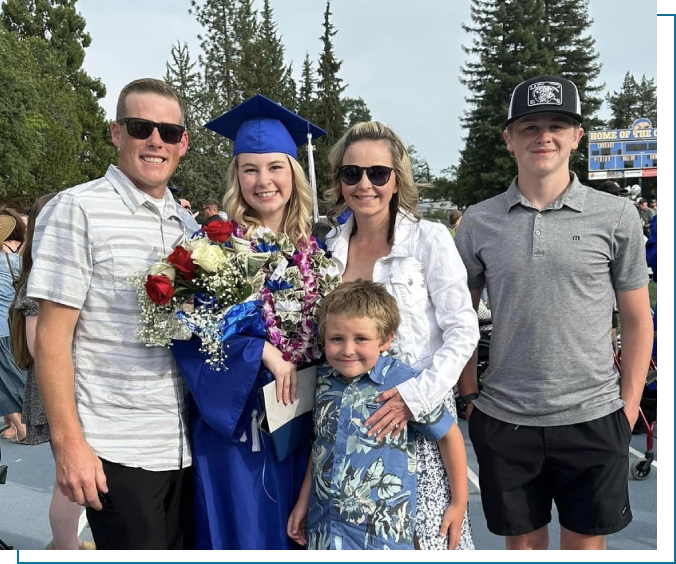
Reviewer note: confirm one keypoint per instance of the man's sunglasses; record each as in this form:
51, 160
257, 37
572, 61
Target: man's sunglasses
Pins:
143, 128
378, 175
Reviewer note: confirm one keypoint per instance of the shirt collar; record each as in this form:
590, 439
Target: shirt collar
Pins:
379, 371
339, 239
132, 196
573, 196
376, 374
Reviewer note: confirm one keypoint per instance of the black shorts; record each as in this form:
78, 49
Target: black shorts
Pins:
144, 510
582, 468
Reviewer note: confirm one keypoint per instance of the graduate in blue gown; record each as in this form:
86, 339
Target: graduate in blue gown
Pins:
243, 494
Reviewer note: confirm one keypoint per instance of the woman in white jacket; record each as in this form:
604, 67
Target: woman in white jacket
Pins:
386, 241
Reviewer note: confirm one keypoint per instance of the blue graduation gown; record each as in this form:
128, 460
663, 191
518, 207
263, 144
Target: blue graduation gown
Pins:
242, 498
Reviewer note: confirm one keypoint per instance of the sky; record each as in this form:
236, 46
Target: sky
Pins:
402, 57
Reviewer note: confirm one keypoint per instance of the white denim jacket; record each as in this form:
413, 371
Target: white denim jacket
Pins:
439, 329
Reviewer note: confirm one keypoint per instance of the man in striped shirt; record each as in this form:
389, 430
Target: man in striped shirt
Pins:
117, 409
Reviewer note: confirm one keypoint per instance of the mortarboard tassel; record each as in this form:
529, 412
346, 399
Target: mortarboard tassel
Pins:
313, 179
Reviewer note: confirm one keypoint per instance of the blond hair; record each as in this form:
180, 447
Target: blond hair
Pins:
405, 199
297, 223
146, 86
362, 299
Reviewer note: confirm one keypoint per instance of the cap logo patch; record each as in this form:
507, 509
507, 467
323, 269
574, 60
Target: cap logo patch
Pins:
545, 93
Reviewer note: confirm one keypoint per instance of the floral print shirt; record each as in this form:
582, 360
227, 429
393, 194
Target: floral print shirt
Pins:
363, 491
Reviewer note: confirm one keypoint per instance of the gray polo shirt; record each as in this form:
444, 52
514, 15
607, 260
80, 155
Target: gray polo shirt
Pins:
551, 277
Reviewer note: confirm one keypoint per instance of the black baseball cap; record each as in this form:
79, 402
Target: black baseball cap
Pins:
544, 93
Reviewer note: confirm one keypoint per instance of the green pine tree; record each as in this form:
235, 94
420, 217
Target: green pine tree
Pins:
219, 57
647, 100
576, 58
248, 68
328, 108
624, 104
275, 76
201, 174
505, 50
21, 122
306, 94
74, 133
514, 41
355, 110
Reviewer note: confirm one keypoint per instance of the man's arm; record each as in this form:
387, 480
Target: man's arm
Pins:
79, 471
467, 383
637, 342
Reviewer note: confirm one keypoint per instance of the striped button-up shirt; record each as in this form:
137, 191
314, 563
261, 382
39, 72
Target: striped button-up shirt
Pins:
89, 240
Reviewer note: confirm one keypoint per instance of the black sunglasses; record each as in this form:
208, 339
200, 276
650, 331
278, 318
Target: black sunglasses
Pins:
378, 175
143, 128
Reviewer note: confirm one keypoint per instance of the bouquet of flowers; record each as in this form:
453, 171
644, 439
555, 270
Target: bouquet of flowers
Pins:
217, 283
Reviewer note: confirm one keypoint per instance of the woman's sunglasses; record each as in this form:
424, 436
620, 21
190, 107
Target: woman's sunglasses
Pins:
143, 128
378, 175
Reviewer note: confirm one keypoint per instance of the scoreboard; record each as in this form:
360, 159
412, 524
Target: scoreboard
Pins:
623, 152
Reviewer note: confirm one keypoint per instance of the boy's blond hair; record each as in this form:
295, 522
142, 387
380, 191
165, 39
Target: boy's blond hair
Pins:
362, 299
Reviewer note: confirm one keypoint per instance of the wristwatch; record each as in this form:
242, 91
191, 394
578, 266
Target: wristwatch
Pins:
469, 398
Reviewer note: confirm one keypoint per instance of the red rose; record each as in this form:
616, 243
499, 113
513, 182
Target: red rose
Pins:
218, 231
181, 260
159, 289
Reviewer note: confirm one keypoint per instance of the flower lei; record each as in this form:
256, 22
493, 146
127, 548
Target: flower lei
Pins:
291, 331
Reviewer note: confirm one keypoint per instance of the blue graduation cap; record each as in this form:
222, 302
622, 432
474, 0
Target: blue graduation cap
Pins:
259, 125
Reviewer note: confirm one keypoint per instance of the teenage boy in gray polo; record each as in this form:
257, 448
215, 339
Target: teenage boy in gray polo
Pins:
553, 420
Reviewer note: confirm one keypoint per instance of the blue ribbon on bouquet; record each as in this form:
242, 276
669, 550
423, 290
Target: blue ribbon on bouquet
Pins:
243, 319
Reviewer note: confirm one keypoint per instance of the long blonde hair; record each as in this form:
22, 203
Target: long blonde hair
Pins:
405, 199
297, 222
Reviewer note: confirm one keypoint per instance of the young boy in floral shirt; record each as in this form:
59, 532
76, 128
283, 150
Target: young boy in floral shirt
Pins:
359, 493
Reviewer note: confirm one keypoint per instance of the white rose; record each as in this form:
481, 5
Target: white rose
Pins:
164, 269
197, 241
208, 256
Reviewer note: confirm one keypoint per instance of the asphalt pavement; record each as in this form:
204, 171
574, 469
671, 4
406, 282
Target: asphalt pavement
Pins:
26, 495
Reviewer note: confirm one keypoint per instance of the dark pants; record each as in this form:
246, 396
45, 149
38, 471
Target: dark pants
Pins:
144, 510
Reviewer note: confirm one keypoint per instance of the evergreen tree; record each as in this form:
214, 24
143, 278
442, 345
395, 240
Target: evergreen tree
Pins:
306, 94
421, 170
355, 110
514, 41
505, 50
20, 120
201, 174
328, 108
634, 100
623, 104
289, 95
249, 73
575, 58
74, 133
276, 80
647, 100
442, 185
219, 55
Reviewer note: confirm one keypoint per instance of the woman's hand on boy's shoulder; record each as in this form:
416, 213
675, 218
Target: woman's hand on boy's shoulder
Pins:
391, 417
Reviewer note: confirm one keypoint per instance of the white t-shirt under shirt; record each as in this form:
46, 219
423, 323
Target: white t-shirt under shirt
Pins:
160, 204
